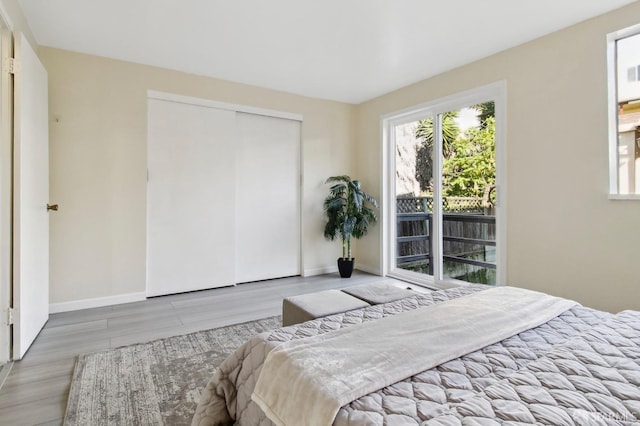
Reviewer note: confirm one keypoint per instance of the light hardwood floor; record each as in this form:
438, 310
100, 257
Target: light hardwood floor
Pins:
36, 389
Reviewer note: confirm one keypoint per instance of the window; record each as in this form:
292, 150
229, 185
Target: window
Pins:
624, 113
444, 164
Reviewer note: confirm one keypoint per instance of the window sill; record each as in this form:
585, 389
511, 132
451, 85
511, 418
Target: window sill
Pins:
624, 197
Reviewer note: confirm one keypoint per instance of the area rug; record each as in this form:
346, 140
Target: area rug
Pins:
154, 383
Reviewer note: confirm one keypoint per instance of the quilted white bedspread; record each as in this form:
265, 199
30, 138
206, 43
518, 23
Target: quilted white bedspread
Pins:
455, 392
320, 374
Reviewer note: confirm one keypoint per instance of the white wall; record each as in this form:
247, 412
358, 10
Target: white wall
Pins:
98, 166
627, 57
565, 236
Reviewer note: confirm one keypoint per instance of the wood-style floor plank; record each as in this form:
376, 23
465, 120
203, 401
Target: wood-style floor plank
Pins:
36, 389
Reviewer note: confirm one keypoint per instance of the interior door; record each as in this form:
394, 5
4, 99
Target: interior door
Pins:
30, 197
223, 196
267, 198
190, 197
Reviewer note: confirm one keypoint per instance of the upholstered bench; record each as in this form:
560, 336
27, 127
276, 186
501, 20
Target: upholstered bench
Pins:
305, 307
377, 293
297, 309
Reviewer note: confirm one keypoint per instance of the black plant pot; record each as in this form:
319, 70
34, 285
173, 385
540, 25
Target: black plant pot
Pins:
345, 266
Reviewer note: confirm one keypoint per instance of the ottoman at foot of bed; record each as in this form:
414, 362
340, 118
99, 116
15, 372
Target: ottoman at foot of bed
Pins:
305, 307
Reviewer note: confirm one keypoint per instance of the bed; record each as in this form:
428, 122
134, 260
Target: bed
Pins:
579, 366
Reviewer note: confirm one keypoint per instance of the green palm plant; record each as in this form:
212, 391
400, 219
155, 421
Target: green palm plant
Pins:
424, 151
349, 212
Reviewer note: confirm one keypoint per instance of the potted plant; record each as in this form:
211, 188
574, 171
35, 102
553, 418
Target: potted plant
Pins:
349, 212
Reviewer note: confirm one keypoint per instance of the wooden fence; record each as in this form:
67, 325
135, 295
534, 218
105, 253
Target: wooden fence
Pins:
467, 232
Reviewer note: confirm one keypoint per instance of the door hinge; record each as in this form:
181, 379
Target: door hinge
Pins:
10, 316
9, 65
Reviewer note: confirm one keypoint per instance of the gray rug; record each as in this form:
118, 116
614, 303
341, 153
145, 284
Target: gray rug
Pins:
154, 383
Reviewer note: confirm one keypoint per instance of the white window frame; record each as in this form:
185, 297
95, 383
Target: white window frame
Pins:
612, 82
493, 92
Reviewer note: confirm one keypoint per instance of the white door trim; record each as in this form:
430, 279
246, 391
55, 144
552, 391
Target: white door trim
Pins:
6, 194
172, 97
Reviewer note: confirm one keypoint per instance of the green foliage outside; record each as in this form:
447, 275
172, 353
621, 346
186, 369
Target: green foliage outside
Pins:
472, 166
424, 152
485, 110
469, 158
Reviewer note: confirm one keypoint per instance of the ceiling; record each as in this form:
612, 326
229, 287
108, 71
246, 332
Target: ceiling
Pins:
344, 50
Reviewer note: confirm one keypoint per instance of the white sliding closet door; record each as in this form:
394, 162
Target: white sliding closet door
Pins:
191, 197
267, 198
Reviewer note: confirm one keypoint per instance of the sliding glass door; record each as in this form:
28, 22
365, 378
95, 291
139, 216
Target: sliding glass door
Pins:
442, 186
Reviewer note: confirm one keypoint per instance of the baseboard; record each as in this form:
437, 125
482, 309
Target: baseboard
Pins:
76, 305
320, 271
368, 269
333, 269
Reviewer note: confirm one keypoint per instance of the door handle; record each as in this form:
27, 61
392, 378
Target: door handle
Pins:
53, 207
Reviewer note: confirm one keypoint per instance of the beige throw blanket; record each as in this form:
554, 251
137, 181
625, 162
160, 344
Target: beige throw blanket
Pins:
306, 381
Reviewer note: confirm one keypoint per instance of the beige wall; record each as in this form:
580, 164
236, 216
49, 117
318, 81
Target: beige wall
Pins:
564, 236
98, 166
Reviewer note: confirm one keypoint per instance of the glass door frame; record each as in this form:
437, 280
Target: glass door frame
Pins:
493, 92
